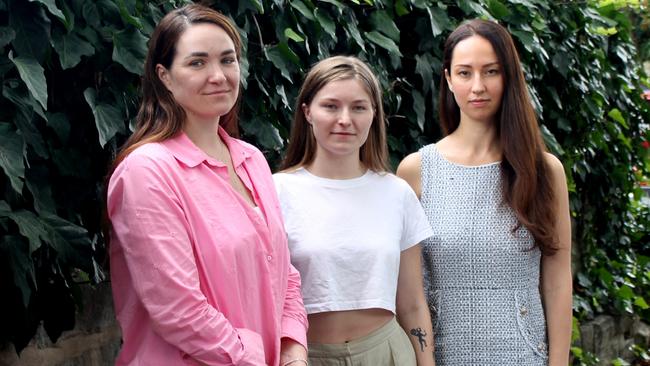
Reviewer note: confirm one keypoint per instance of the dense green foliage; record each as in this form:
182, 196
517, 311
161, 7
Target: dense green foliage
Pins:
69, 72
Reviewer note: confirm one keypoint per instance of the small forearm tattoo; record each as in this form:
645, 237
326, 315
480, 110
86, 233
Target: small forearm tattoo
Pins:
421, 334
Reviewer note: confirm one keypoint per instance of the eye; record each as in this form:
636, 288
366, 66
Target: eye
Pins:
492, 72
360, 108
197, 63
229, 60
329, 106
463, 73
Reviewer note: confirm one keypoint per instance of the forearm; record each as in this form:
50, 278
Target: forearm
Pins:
290, 350
558, 311
416, 322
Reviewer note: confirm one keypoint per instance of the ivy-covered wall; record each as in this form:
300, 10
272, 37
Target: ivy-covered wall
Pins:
69, 72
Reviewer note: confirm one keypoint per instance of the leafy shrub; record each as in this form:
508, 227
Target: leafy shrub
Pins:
69, 72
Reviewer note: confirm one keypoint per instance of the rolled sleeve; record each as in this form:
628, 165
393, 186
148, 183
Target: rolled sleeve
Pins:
149, 223
294, 319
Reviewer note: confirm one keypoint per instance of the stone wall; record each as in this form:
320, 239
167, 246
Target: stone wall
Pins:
94, 341
610, 337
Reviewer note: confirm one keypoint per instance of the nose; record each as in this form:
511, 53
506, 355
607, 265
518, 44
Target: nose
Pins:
217, 75
344, 117
478, 86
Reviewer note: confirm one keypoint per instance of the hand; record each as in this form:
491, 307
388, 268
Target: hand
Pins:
291, 350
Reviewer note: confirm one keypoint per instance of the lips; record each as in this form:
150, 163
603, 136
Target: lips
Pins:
343, 133
217, 92
479, 102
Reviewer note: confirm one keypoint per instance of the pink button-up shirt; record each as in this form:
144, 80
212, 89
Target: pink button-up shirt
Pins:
198, 275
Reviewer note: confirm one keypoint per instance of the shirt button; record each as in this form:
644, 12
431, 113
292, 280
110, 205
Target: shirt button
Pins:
523, 310
268, 257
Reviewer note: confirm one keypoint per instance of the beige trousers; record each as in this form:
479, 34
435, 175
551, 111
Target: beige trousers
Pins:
386, 346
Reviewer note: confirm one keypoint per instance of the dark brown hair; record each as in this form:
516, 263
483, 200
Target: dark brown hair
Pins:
160, 117
526, 177
302, 144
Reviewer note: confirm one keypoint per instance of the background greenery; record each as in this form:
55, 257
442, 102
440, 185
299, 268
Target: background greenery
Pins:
69, 72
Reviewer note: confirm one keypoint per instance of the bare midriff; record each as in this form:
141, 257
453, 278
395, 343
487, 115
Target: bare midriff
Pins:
344, 326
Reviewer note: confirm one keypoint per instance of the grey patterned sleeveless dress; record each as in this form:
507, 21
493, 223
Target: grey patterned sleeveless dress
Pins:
481, 278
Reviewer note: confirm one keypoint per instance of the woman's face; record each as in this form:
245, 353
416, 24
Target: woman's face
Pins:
340, 115
475, 77
204, 74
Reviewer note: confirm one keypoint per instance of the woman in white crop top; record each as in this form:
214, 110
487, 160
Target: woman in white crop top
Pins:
353, 228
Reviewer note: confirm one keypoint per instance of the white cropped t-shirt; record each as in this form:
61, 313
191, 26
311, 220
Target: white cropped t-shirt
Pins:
346, 236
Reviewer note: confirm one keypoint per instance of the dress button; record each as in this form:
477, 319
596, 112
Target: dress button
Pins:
541, 347
523, 310
268, 257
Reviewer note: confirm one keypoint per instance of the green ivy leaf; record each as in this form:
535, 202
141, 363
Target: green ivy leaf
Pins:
641, 303
11, 156
438, 19
283, 95
275, 55
70, 48
383, 23
352, 31
336, 3
51, 6
108, 119
472, 7
126, 15
32, 73
291, 34
32, 29
267, 134
30, 227
617, 116
424, 68
498, 9
24, 121
38, 183
562, 63
383, 41
419, 107
326, 22
130, 50
303, 9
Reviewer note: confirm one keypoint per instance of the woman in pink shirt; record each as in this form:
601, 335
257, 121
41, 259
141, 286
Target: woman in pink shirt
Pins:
199, 261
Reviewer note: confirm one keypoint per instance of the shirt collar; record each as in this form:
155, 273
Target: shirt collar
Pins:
189, 154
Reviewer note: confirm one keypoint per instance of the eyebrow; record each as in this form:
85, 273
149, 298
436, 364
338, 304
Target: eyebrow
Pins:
205, 54
328, 99
486, 65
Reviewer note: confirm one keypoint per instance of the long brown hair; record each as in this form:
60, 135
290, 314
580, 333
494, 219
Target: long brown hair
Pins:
526, 177
160, 117
302, 144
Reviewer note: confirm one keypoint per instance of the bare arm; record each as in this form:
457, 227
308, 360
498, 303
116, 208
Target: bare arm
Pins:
409, 170
556, 281
412, 310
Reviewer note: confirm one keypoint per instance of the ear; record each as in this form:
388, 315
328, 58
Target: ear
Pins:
163, 75
448, 78
305, 110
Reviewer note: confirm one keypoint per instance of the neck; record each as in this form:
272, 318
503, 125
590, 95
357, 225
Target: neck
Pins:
473, 143
346, 167
478, 135
204, 135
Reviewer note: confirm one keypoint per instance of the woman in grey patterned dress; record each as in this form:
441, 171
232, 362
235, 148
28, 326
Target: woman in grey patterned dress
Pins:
498, 268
